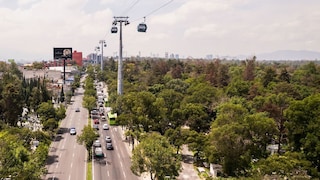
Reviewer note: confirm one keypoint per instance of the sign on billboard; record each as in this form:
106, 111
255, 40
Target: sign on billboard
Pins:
62, 53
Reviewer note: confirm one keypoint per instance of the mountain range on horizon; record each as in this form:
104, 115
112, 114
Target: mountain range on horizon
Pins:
290, 55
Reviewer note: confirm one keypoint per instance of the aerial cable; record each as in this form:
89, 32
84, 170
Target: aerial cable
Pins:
159, 8
133, 4
167, 3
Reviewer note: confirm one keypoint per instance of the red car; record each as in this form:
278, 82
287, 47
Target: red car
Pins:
96, 121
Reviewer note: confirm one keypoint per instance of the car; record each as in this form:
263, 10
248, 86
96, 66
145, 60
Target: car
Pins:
109, 146
108, 139
77, 110
105, 127
98, 152
103, 118
73, 131
97, 143
96, 121
96, 126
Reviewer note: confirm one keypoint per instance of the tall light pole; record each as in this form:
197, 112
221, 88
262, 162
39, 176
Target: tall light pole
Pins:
97, 48
120, 19
103, 44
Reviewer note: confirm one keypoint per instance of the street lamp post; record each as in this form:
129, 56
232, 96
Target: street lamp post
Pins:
103, 44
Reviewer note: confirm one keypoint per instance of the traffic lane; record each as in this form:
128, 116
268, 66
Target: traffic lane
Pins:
119, 157
79, 154
64, 149
108, 168
123, 152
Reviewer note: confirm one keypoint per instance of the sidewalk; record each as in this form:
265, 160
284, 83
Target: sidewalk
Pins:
188, 171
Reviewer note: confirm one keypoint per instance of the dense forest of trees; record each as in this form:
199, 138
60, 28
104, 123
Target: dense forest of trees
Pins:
227, 112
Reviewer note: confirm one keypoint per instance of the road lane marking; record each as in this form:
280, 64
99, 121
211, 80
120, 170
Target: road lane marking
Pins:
124, 174
121, 164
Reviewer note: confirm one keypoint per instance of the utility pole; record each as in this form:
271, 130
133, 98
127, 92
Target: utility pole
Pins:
120, 19
103, 44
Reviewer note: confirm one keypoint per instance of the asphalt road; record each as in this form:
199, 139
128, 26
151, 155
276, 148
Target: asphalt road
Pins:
116, 163
67, 159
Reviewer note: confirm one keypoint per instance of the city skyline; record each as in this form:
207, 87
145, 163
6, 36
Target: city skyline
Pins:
190, 28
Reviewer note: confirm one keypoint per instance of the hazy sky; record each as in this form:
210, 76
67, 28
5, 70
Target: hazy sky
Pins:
30, 29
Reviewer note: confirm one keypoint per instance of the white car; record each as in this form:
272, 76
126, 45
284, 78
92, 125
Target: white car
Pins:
97, 143
73, 131
105, 127
108, 139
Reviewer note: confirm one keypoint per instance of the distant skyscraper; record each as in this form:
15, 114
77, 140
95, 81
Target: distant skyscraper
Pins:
166, 55
209, 57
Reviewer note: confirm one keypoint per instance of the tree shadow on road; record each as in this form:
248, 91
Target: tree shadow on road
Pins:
51, 159
187, 158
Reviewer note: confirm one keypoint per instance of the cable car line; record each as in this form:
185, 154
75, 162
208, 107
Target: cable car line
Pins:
133, 4
167, 3
159, 8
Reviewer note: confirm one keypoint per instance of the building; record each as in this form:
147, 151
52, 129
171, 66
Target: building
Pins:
77, 57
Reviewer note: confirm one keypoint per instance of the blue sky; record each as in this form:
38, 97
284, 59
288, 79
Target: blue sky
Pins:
30, 29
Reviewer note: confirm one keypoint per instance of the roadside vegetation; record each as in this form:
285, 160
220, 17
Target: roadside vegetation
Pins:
253, 119
28, 123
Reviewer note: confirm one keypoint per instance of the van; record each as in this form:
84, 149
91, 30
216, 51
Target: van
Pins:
98, 152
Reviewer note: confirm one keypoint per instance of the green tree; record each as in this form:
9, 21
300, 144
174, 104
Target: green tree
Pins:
237, 136
87, 137
156, 156
89, 102
46, 111
291, 165
303, 128
11, 101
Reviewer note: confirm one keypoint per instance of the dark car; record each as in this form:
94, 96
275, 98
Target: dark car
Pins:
109, 146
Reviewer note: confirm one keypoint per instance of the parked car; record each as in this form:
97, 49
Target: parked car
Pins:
77, 109
105, 127
108, 139
73, 131
109, 146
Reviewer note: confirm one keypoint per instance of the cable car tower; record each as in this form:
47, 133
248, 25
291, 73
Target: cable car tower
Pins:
114, 29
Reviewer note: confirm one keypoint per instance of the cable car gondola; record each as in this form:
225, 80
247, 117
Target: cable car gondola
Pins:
114, 29
142, 27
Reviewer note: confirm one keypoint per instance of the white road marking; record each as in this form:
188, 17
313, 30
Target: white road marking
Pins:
124, 174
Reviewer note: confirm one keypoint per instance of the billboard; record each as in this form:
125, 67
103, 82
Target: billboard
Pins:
62, 53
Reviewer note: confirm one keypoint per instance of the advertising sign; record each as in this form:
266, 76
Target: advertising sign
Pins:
62, 53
